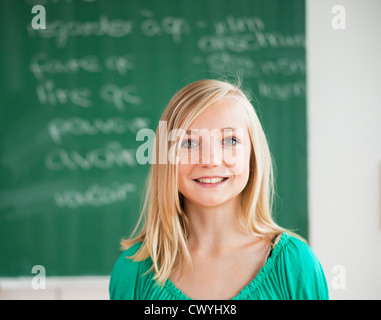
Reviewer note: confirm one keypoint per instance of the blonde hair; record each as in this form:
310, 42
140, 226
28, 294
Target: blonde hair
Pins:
165, 230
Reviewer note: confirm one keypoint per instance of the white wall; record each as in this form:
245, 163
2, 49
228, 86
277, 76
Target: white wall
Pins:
344, 119
55, 288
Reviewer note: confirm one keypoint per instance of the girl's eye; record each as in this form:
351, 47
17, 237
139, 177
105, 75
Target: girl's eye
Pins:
192, 143
232, 140
187, 143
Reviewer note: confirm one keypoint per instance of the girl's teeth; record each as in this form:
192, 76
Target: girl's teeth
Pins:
214, 180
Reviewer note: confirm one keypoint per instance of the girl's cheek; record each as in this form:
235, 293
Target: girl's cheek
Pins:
235, 159
189, 156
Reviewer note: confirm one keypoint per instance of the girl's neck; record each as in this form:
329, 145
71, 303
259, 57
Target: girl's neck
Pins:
214, 229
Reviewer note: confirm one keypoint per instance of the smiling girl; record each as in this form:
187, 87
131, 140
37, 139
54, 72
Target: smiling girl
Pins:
208, 231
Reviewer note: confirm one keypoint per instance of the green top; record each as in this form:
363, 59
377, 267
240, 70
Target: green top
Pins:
291, 272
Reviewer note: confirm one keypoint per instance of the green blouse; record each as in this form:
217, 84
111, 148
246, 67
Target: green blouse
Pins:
291, 272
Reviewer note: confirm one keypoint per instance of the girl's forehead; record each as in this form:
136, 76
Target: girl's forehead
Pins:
225, 130
226, 113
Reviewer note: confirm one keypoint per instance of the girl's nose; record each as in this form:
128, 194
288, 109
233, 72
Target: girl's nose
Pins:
211, 152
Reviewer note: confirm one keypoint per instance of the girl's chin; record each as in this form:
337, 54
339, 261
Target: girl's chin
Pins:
207, 201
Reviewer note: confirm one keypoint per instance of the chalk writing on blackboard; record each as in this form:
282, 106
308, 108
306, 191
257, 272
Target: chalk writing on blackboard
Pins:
42, 66
95, 195
59, 128
112, 154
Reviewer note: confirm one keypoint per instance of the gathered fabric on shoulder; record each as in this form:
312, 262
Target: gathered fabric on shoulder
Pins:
291, 272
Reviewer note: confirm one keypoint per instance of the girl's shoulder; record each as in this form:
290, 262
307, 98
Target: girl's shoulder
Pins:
125, 260
125, 273
132, 249
299, 267
297, 249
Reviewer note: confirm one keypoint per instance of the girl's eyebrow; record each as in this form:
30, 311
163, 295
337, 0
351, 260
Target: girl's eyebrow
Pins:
189, 131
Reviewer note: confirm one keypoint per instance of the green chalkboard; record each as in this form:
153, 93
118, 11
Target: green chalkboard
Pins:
74, 95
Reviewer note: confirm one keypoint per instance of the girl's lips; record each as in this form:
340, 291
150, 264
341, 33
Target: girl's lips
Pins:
210, 177
211, 185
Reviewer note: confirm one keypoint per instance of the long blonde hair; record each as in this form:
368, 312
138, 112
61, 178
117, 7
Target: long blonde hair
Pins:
165, 230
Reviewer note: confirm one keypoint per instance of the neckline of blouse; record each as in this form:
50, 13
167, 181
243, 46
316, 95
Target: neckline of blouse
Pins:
251, 286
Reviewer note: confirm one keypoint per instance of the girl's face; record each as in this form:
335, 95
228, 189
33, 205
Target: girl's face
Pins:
210, 150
